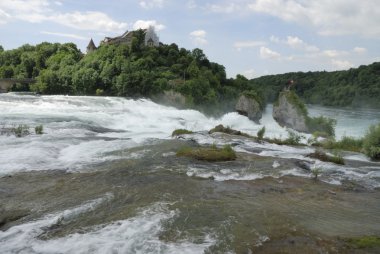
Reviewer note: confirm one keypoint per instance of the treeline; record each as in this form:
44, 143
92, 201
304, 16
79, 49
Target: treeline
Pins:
123, 70
354, 87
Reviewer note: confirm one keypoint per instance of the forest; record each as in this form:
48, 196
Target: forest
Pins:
356, 87
141, 71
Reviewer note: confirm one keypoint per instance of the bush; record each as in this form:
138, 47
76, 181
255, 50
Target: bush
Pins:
178, 132
257, 96
322, 156
346, 143
371, 142
293, 138
316, 172
39, 129
321, 124
228, 130
99, 92
21, 130
209, 153
260, 133
365, 242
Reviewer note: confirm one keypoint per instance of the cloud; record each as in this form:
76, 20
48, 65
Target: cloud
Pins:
266, 53
239, 45
152, 4
328, 17
73, 36
144, 24
334, 53
295, 43
191, 4
4, 17
250, 74
36, 11
90, 20
341, 64
223, 8
359, 50
199, 37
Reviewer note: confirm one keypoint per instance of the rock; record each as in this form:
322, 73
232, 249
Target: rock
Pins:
249, 107
171, 98
290, 114
11, 216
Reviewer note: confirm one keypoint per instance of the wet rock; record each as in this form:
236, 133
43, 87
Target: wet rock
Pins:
7, 217
249, 107
287, 112
304, 165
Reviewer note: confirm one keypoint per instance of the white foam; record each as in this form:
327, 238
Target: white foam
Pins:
139, 234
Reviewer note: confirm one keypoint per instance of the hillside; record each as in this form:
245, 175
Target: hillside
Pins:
354, 87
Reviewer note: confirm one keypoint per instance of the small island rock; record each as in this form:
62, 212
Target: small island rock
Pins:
249, 107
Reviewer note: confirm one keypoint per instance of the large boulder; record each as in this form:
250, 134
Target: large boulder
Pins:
170, 98
248, 106
288, 111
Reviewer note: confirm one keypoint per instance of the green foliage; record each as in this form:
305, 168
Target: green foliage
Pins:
122, 70
178, 132
260, 133
346, 143
354, 87
364, 242
316, 172
371, 142
322, 156
293, 138
227, 130
295, 101
257, 96
212, 154
21, 130
321, 124
39, 129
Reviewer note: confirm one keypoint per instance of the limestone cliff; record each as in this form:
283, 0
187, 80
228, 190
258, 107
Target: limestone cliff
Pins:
288, 111
249, 107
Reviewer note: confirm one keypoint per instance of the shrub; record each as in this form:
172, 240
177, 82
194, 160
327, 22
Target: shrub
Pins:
257, 96
365, 242
260, 133
39, 129
320, 155
296, 101
371, 142
99, 92
21, 130
228, 130
293, 138
316, 172
178, 132
321, 124
209, 153
346, 143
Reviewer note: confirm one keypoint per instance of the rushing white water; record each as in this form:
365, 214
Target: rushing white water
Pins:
139, 234
81, 132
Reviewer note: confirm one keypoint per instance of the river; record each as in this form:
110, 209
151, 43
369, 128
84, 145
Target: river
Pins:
103, 178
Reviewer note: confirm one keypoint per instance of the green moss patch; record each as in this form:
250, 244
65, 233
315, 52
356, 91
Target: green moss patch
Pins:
320, 155
209, 153
178, 132
364, 242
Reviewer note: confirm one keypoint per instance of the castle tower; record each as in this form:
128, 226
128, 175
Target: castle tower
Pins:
91, 46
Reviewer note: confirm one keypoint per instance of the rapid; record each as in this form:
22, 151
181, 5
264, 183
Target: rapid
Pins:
104, 178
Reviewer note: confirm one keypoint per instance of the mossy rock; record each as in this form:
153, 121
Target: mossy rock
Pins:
178, 132
322, 156
209, 153
364, 242
228, 130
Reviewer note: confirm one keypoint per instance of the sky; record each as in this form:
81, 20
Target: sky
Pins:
249, 37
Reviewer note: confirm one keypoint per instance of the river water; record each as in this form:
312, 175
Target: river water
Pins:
104, 178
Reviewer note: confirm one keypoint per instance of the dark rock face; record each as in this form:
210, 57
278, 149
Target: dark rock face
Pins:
287, 114
249, 107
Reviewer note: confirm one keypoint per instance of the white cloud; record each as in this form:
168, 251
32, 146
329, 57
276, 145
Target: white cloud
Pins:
199, 37
328, 17
250, 74
90, 20
334, 53
58, 3
341, 64
4, 17
266, 53
360, 50
191, 4
223, 8
152, 4
73, 36
274, 39
144, 24
295, 42
248, 44
36, 11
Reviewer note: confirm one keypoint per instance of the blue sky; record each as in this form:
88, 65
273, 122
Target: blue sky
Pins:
249, 37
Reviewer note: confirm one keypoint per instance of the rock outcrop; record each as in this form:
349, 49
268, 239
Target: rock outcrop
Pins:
170, 98
249, 107
289, 112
